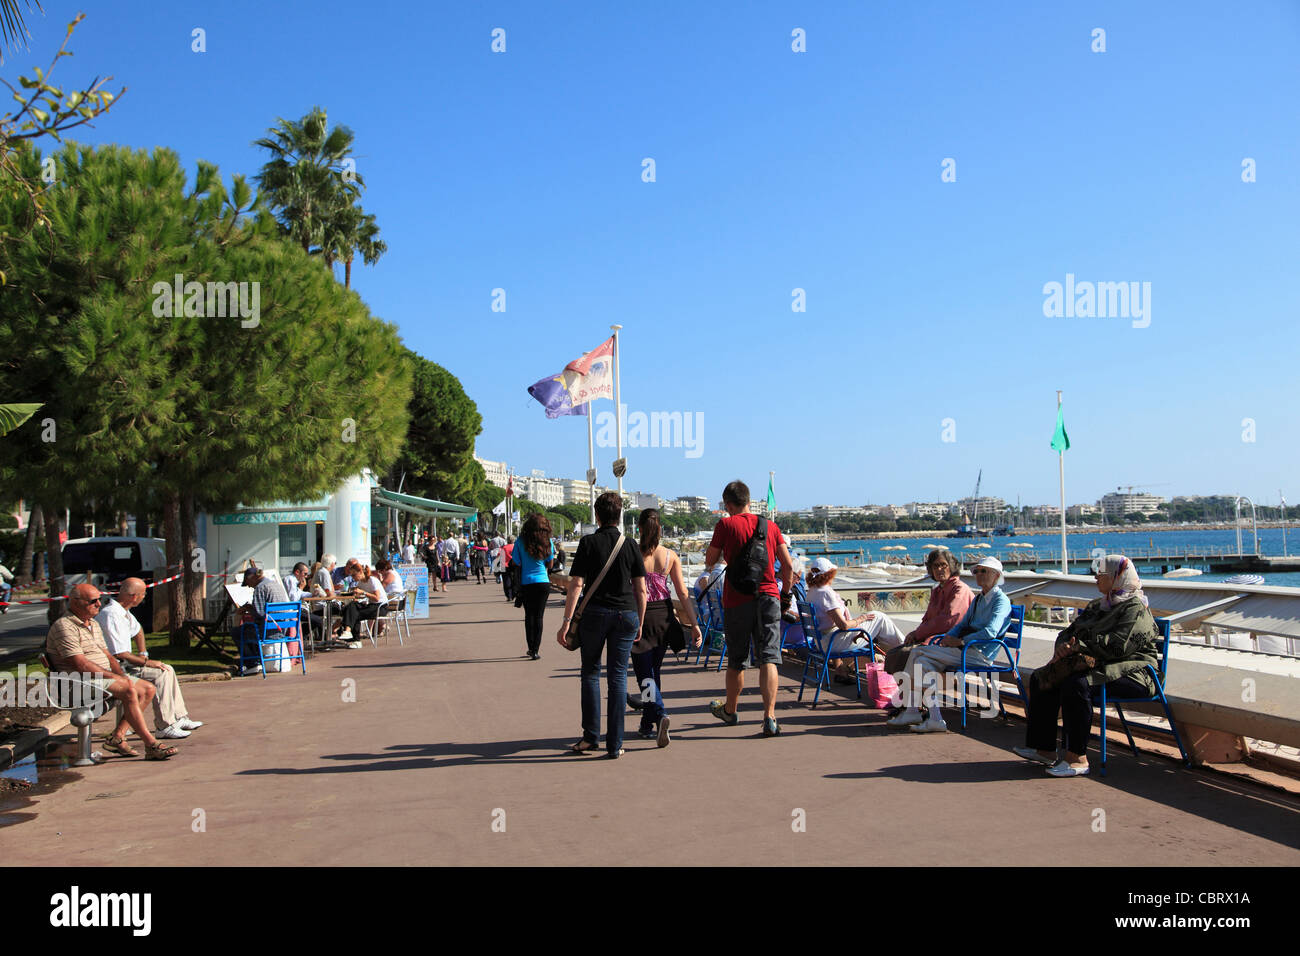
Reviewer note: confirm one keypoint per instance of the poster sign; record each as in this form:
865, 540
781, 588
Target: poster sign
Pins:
416, 575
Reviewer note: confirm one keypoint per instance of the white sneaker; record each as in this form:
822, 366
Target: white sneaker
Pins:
355, 645
187, 724
174, 732
909, 716
254, 669
1029, 753
1063, 769
345, 635
930, 726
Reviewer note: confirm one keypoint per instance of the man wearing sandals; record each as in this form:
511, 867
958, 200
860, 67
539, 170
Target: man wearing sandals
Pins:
121, 631
75, 644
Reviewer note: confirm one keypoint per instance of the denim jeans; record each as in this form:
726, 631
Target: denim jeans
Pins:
602, 625
647, 666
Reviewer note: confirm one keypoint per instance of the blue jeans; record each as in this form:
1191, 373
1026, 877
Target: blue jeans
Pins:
647, 667
601, 625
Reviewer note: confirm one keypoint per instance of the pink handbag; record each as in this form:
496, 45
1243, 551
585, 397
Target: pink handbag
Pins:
882, 689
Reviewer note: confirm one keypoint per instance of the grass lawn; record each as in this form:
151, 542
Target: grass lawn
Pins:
194, 660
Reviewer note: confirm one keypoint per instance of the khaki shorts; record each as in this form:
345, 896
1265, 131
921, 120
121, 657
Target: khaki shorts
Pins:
71, 690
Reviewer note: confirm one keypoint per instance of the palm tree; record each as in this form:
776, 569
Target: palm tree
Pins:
366, 242
308, 177
347, 230
12, 27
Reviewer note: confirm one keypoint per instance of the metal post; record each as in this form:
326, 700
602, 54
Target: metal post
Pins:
618, 406
1065, 562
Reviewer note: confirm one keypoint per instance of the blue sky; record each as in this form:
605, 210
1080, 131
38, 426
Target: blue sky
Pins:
778, 170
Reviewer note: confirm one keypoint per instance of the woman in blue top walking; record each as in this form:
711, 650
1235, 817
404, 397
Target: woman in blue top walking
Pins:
534, 552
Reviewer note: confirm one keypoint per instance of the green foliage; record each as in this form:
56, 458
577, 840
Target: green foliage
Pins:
150, 404
311, 183
43, 110
438, 453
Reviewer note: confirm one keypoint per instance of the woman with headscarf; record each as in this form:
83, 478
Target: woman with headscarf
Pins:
1111, 642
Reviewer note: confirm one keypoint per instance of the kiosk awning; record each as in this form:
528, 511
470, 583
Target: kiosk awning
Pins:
424, 507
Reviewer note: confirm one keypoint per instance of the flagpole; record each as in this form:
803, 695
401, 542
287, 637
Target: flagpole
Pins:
1065, 561
591, 467
618, 407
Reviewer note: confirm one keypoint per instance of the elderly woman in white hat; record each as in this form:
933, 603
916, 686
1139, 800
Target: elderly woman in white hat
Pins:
984, 620
833, 613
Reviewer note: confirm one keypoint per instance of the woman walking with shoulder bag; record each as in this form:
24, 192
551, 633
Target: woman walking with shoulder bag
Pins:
660, 628
611, 614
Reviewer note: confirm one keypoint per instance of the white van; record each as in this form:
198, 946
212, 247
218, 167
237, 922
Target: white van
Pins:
107, 562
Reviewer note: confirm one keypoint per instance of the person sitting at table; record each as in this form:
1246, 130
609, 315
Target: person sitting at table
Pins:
832, 615
365, 585
267, 589
322, 576
392, 582
341, 576
983, 620
1118, 634
295, 585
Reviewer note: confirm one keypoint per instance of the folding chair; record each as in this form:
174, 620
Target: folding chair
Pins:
819, 651
1158, 672
284, 622
211, 632
394, 611
1008, 641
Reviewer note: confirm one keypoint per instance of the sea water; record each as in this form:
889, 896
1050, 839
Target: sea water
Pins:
1115, 542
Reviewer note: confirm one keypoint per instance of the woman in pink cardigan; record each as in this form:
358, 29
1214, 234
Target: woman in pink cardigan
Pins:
948, 603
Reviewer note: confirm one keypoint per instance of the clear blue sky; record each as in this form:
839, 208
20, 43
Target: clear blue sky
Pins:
777, 170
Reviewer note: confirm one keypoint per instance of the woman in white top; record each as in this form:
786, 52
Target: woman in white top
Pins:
376, 603
389, 578
832, 615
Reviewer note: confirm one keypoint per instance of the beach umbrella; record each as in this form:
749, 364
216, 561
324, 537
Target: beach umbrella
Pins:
894, 547
984, 545
927, 547
969, 546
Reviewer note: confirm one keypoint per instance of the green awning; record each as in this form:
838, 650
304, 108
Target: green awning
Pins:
424, 507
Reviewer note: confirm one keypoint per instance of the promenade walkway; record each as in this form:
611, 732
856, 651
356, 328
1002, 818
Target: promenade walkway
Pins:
455, 731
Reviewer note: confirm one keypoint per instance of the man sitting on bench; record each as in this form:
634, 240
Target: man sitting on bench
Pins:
121, 629
75, 645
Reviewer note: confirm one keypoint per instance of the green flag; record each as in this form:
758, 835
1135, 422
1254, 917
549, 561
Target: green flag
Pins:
771, 498
1060, 440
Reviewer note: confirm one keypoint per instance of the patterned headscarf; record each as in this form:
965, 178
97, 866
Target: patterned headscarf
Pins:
1126, 585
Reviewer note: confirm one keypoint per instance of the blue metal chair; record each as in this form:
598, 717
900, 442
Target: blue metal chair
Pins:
1158, 672
715, 639
283, 624
1008, 642
703, 618
819, 651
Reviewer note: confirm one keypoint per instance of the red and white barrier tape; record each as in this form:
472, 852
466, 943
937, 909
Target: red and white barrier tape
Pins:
64, 597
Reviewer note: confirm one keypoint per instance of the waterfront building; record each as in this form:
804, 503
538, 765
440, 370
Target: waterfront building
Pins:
496, 471
1117, 505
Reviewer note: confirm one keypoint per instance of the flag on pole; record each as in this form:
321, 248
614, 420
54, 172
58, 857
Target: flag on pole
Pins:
501, 508
591, 376
771, 498
510, 486
555, 397
1060, 440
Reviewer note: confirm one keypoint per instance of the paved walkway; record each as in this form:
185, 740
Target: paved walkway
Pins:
456, 730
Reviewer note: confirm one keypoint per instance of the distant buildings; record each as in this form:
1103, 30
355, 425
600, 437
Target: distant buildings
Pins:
1117, 505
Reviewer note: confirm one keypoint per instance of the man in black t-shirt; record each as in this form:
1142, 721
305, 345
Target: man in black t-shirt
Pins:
612, 615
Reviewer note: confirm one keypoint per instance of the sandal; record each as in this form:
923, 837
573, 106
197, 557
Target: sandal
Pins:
159, 751
118, 745
583, 746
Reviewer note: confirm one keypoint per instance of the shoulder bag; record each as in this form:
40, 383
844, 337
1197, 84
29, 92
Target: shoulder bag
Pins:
571, 637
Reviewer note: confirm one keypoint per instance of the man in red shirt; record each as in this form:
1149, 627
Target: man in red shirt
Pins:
750, 617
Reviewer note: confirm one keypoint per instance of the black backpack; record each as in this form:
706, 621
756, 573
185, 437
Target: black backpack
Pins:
746, 573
